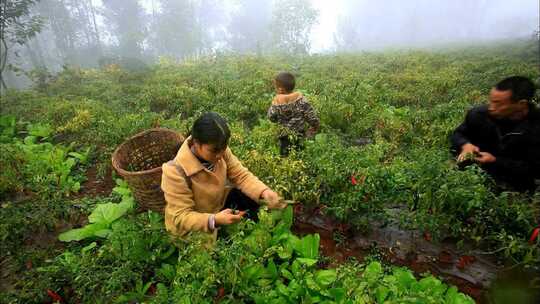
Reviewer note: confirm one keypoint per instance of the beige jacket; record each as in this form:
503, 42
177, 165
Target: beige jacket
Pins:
188, 209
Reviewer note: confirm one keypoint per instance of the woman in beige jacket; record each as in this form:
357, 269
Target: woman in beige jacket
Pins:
195, 183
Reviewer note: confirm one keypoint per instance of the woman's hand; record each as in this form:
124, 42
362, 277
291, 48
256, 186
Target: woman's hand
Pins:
227, 217
273, 200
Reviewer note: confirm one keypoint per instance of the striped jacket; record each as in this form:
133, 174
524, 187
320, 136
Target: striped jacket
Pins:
294, 113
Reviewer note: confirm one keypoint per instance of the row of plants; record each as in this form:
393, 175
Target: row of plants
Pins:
33, 164
385, 122
361, 186
130, 258
404, 104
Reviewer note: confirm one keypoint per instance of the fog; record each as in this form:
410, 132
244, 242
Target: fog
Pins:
51, 34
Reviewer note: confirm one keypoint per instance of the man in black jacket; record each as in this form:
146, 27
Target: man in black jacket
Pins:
503, 137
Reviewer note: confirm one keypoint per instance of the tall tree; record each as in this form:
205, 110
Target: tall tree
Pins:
176, 32
17, 26
61, 26
249, 28
291, 26
210, 19
126, 20
71, 26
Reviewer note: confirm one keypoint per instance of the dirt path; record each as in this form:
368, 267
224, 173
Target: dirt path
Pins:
472, 271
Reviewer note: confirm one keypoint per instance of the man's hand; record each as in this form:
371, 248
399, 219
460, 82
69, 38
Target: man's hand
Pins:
485, 158
273, 200
227, 217
466, 150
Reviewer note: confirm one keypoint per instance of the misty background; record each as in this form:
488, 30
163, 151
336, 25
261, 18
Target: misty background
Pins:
43, 37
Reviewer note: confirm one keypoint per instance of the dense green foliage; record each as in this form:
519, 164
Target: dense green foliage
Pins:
33, 164
401, 105
258, 262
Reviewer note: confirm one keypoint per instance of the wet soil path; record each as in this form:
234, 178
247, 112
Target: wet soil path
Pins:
472, 271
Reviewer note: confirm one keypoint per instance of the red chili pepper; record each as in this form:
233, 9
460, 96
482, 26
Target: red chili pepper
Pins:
54, 296
152, 290
220, 294
464, 261
534, 235
298, 208
353, 180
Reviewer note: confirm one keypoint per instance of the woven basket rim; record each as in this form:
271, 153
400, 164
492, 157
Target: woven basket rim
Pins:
114, 157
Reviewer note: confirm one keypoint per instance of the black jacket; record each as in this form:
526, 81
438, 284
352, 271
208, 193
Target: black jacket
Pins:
516, 145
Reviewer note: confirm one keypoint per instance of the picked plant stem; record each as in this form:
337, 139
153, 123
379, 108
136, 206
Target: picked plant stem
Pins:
288, 202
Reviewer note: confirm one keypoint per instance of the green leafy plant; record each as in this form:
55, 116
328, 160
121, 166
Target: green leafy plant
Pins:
103, 216
37, 165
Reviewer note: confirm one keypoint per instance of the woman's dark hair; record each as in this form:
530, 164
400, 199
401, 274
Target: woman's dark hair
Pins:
211, 129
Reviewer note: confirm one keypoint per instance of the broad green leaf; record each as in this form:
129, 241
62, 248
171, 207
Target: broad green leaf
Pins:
307, 262
121, 183
81, 233
280, 234
76, 187
286, 274
325, 277
284, 253
271, 270
107, 213
263, 283
433, 285
89, 247
311, 283
122, 191
258, 241
404, 277
40, 130
381, 293
69, 163
308, 246
254, 272
373, 272
281, 288
78, 156
287, 217
103, 233
295, 289
313, 298
455, 297
338, 294
30, 140
128, 202
296, 268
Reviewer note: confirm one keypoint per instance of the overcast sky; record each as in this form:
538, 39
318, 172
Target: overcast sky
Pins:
391, 22
432, 18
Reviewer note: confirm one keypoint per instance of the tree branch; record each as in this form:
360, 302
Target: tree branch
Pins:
3, 63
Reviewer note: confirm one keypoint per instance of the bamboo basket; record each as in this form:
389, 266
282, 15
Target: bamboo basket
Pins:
138, 160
